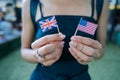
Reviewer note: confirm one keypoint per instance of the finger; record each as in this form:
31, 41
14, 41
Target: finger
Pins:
78, 58
50, 48
87, 41
73, 43
83, 62
47, 39
51, 55
49, 62
53, 59
81, 55
54, 54
86, 49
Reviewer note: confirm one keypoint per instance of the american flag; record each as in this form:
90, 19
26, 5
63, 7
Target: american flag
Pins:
87, 27
48, 23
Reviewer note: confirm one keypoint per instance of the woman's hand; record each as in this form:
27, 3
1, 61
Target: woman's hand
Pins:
48, 48
85, 50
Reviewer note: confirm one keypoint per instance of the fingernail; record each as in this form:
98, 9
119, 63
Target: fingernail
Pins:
72, 38
100, 46
68, 48
62, 43
62, 46
70, 44
62, 36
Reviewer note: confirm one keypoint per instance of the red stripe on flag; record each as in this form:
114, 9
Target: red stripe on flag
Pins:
90, 28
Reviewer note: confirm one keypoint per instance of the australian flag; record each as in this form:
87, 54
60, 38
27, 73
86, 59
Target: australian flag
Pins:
48, 23
87, 27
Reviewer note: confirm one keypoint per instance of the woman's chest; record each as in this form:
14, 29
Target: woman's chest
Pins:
65, 7
65, 4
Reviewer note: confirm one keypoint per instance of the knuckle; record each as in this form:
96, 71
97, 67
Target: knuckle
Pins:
78, 39
57, 57
61, 36
57, 51
45, 50
73, 43
86, 58
97, 42
58, 44
57, 36
45, 38
87, 39
32, 45
54, 46
92, 52
92, 42
50, 56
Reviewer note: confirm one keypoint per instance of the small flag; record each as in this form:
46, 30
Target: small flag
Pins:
87, 27
48, 24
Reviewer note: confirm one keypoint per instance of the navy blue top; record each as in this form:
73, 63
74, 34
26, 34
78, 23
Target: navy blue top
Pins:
67, 25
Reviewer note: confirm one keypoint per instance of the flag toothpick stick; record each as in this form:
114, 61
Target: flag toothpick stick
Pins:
77, 28
58, 29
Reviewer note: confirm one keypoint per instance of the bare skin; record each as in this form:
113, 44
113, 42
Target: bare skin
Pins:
52, 45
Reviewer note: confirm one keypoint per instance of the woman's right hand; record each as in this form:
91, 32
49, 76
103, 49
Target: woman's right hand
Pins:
50, 47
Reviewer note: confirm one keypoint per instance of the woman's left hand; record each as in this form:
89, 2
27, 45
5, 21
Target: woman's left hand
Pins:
84, 49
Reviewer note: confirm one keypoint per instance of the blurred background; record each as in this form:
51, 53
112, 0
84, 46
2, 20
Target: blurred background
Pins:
12, 66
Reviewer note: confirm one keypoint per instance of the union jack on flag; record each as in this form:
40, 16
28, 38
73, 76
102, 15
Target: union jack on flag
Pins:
87, 27
48, 23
